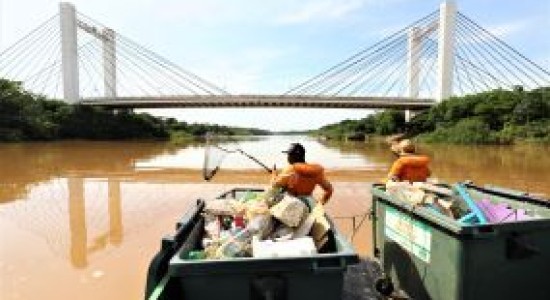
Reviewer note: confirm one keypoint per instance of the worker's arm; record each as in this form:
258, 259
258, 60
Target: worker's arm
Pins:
327, 187
395, 171
281, 180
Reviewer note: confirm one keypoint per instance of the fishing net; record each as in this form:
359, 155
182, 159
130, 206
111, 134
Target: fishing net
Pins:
217, 149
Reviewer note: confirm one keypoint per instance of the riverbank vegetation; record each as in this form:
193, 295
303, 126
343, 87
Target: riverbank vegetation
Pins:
28, 117
496, 117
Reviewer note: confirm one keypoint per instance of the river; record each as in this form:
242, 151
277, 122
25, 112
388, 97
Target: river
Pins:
81, 220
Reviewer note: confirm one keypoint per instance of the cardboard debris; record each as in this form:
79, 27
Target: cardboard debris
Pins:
261, 225
299, 232
220, 207
428, 187
320, 228
290, 211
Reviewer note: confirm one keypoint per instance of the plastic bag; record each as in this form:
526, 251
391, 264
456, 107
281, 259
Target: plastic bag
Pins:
236, 246
212, 226
256, 208
261, 225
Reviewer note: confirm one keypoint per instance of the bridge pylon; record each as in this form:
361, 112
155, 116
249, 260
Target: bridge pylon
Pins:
446, 49
69, 52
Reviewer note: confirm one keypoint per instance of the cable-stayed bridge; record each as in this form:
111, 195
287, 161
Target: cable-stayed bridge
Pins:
73, 57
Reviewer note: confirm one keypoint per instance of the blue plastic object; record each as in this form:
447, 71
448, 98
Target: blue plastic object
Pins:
481, 219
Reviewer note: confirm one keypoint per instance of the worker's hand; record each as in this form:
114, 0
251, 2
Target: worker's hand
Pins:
318, 210
274, 174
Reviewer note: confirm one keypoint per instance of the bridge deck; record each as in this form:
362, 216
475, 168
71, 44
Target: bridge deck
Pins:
260, 101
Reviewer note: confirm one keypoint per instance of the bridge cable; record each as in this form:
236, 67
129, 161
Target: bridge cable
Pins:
28, 35
497, 49
159, 68
491, 53
47, 49
385, 55
397, 44
52, 55
355, 56
503, 44
187, 76
373, 63
15, 63
140, 71
468, 38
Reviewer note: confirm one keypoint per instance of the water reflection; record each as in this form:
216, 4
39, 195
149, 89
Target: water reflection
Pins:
24, 165
79, 246
94, 212
77, 223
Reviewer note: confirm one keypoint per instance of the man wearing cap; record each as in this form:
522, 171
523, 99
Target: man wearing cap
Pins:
300, 178
410, 166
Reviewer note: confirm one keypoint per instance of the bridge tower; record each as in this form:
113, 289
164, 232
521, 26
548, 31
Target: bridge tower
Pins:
445, 54
69, 53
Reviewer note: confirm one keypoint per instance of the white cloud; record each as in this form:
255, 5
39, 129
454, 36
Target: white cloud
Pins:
204, 12
320, 11
509, 28
242, 73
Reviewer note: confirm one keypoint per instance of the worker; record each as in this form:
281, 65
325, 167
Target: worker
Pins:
409, 166
300, 178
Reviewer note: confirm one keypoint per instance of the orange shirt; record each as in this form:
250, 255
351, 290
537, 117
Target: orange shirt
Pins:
410, 168
300, 179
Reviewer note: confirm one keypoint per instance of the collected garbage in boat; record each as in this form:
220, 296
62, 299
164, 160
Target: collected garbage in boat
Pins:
262, 224
458, 204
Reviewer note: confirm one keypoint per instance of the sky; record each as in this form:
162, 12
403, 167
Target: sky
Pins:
269, 46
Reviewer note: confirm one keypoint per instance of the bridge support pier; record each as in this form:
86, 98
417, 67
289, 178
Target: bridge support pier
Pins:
409, 114
69, 54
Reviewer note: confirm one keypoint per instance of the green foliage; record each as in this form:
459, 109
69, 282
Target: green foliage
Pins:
497, 116
25, 116
382, 123
466, 131
536, 131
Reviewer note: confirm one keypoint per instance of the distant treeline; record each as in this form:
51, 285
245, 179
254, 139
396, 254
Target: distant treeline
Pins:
25, 116
496, 117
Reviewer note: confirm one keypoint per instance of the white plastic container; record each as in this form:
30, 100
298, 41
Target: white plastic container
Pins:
303, 246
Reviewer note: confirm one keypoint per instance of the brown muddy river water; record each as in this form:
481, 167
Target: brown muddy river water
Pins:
81, 220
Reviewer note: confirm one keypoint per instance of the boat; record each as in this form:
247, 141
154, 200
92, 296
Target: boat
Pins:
172, 276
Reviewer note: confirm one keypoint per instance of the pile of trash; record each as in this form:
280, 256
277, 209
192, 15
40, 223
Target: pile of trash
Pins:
262, 225
455, 202
438, 198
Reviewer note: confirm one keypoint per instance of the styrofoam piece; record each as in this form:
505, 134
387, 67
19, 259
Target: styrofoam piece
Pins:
303, 246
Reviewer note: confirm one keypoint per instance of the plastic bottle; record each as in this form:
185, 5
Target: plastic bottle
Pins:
196, 255
235, 246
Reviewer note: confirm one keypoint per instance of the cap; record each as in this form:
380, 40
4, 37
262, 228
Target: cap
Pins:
404, 146
296, 149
